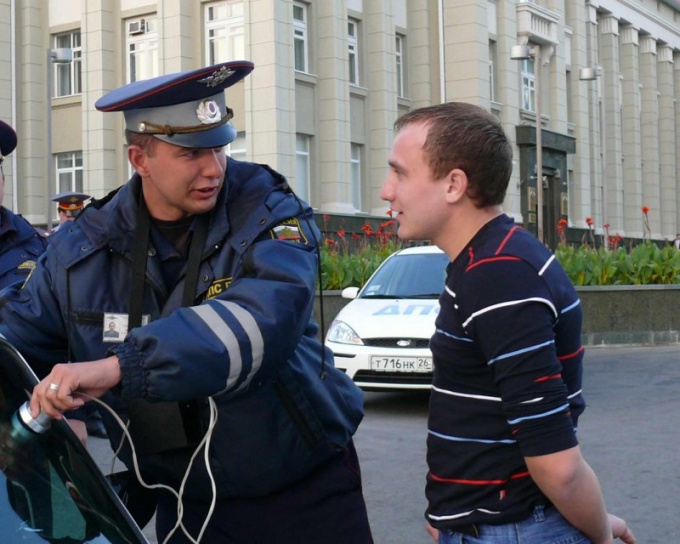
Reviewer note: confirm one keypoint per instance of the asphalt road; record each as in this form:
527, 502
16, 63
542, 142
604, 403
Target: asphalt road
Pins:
629, 434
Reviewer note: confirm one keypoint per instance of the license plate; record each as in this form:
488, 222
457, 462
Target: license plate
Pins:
401, 364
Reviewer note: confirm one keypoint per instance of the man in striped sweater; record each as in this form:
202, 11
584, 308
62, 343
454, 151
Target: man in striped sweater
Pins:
504, 461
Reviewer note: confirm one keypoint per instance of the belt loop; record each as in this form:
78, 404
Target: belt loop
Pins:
539, 513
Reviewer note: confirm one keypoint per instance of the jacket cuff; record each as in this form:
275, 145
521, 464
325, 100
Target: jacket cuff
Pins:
132, 375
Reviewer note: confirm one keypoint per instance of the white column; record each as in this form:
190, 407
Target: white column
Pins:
632, 166
382, 98
176, 34
649, 124
667, 142
270, 88
611, 138
334, 112
103, 139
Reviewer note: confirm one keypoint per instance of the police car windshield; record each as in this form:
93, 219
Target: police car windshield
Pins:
416, 275
50, 488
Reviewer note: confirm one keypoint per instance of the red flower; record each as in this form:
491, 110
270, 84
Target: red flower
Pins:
366, 228
341, 233
562, 223
329, 242
589, 221
606, 225
355, 236
645, 209
389, 212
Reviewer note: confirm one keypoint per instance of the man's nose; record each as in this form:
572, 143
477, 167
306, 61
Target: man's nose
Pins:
386, 189
214, 163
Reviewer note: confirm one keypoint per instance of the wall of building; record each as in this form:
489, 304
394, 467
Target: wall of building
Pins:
451, 51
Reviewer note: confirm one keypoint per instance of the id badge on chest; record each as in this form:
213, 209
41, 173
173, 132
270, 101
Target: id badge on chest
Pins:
115, 327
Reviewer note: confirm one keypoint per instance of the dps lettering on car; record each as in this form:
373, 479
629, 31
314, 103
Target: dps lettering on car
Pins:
411, 309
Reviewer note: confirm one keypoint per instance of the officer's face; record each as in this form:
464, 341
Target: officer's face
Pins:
179, 181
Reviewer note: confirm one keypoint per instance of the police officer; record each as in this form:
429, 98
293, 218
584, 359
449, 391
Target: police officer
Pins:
69, 206
192, 262
20, 243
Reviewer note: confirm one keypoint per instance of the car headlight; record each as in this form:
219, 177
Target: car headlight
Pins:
341, 333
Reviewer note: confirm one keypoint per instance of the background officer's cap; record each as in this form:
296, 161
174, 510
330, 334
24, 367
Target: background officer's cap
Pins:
71, 203
187, 109
8, 139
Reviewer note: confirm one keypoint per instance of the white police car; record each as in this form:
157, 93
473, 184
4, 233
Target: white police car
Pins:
381, 338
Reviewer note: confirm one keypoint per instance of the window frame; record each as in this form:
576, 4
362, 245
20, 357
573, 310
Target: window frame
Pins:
528, 85
400, 64
356, 151
68, 75
303, 166
150, 53
75, 170
353, 51
233, 27
301, 38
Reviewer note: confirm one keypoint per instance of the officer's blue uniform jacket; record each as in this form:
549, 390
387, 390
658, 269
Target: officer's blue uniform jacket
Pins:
250, 341
20, 247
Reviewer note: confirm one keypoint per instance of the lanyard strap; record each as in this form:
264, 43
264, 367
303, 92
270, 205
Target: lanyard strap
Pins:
197, 243
139, 260
139, 257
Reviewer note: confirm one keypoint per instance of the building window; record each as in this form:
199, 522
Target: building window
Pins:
224, 32
142, 48
302, 162
67, 77
300, 37
237, 148
69, 171
528, 85
353, 51
399, 51
492, 69
355, 167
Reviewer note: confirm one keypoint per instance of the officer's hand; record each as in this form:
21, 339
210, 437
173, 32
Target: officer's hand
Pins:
58, 392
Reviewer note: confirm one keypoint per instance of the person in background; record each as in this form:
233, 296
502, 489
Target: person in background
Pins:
69, 205
504, 462
676, 242
20, 243
193, 258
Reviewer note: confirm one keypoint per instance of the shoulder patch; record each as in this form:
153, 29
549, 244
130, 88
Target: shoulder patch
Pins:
290, 231
27, 265
218, 287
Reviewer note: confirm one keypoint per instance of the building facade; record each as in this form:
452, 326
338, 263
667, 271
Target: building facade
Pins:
330, 78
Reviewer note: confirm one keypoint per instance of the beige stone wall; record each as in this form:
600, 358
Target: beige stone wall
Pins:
446, 57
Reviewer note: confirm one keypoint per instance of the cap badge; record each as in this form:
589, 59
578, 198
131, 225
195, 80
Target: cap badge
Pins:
208, 112
217, 77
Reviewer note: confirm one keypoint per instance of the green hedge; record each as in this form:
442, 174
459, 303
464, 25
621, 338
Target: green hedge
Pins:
350, 262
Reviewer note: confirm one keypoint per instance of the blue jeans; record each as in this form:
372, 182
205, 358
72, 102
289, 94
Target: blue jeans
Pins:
544, 526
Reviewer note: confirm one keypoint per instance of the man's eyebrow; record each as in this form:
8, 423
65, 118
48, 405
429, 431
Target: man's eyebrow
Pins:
395, 166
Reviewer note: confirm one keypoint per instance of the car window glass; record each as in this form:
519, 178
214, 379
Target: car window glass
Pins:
50, 488
409, 276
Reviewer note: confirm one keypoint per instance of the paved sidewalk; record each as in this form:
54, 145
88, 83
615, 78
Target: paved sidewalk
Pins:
629, 435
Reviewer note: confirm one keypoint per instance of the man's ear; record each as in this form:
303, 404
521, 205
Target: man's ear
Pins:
138, 158
456, 185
